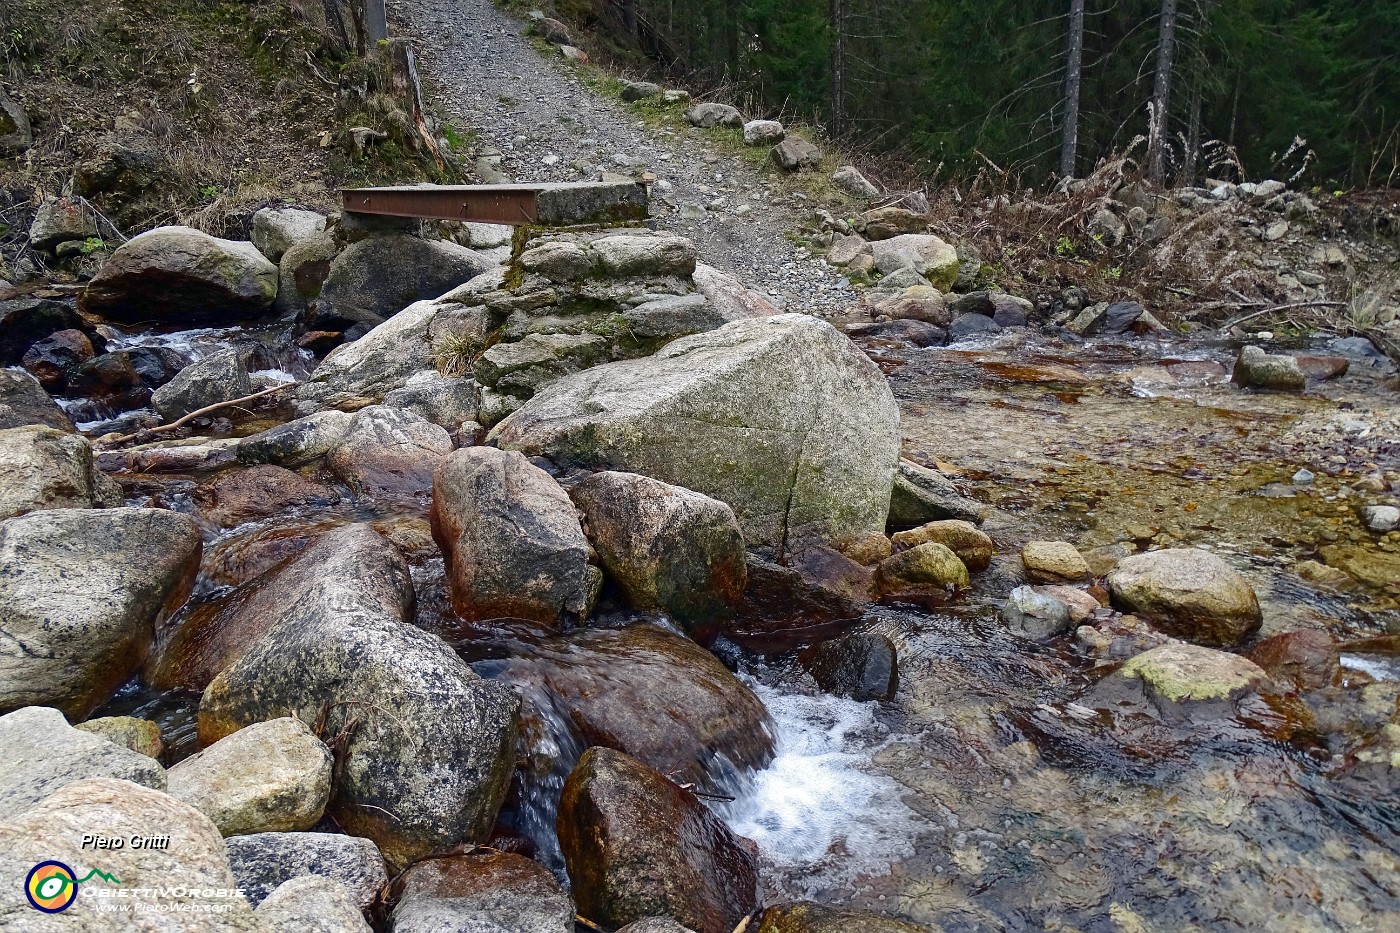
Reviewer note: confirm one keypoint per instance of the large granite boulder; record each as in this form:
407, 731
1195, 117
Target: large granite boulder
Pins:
486, 892
511, 539
1189, 594
183, 885
23, 401
428, 746
220, 377
40, 753
665, 547
276, 230
379, 276
351, 569
782, 418
389, 454
363, 372
181, 275
43, 468
272, 776
637, 846
263, 862
80, 596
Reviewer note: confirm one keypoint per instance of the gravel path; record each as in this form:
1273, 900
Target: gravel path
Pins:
549, 126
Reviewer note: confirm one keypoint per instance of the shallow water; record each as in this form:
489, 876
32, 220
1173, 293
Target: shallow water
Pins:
992, 793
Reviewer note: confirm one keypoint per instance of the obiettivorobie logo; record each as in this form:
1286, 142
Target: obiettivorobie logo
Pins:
52, 887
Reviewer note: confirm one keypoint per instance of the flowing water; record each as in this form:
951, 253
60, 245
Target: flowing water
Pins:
991, 794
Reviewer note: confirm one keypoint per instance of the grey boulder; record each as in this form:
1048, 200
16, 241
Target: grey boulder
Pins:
181, 274
385, 358
276, 230
709, 115
296, 442
1259, 370
272, 776
794, 154
23, 401
921, 495
81, 592
43, 468
849, 179
782, 418
429, 747
667, 548
379, 276
263, 862
511, 539
40, 753
1189, 594
220, 377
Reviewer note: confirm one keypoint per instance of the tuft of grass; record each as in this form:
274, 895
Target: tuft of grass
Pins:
453, 354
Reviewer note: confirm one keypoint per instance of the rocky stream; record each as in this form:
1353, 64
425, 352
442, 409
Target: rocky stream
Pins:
434, 577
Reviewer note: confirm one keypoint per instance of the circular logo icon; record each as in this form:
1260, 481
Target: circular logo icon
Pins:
51, 887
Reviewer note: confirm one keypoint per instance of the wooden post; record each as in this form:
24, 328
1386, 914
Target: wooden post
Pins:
376, 23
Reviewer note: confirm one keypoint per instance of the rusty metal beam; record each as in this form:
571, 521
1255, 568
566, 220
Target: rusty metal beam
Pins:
518, 205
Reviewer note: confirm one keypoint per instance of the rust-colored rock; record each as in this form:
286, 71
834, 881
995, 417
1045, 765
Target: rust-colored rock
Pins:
259, 492
638, 846
1308, 659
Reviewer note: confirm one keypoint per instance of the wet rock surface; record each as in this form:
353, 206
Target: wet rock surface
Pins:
492, 892
639, 846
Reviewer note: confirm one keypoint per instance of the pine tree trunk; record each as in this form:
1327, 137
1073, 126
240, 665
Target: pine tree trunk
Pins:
1074, 74
838, 65
1161, 95
1193, 134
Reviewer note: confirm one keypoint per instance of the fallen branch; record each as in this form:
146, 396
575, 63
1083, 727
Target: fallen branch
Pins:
181, 422
1275, 308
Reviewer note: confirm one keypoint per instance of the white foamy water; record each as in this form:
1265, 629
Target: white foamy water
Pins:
275, 375
1380, 668
821, 818
196, 343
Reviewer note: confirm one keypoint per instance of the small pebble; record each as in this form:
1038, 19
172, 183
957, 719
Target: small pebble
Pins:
1303, 477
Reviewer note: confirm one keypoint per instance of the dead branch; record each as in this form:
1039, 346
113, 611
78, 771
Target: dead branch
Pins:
1275, 308
207, 409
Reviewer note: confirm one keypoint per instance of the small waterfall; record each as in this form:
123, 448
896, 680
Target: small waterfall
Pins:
820, 818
